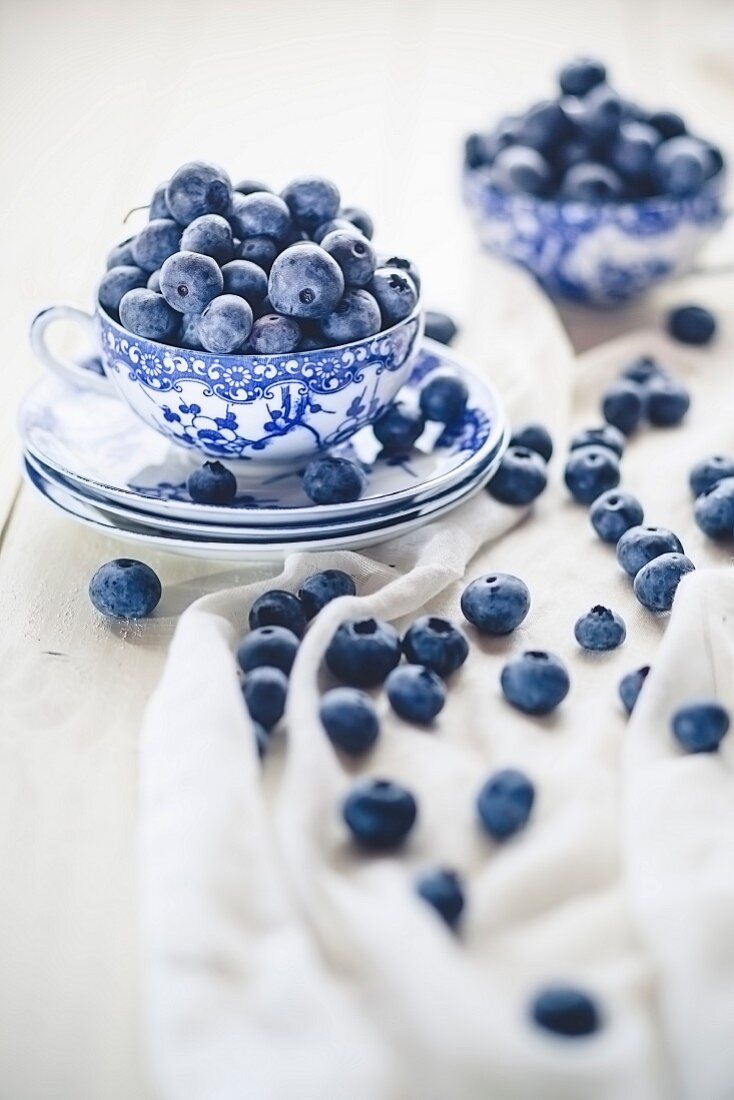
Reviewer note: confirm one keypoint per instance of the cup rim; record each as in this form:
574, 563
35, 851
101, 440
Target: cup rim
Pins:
175, 349
715, 183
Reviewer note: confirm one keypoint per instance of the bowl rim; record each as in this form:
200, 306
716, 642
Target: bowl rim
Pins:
715, 183
283, 356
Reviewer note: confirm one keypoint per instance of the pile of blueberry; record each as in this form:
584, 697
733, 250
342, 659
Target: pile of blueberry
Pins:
244, 270
589, 144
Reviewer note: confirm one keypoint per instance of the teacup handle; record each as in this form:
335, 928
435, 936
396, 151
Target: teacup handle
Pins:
72, 373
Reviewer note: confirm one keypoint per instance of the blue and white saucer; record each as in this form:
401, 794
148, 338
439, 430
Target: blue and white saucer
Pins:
91, 449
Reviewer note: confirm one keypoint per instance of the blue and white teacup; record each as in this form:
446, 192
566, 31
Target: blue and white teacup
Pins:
275, 409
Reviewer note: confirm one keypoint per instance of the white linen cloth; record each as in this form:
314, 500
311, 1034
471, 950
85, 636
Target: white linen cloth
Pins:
278, 962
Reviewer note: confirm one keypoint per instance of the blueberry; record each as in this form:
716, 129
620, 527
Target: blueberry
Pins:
706, 473
212, 483
354, 254
398, 428
268, 646
260, 214
225, 324
278, 608
632, 150
329, 479
198, 188
274, 335
305, 282
680, 165
363, 652
404, 265
265, 690
188, 337
437, 644
211, 235
566, 1011
544, 127
657, 582
395, 292
444, 398
478, 152
189, 281
691, 325
248, 186
154, 243
258, 250
158, 204
582, 74
312, 201
245, 279
534, 437
623, 405
360, 219
643, 370
639, 545
668, 401
496, 603
380, 813
148, 314
440, 327
321, 588
154, 281
608, 436
416, 693
505, 803
350, 720
590, 471
121, 255
600, 629
613, 513
576, 151
520, 478
442, 890
535, 682
591, 182
700, 726
115, 284
600, 113
667, 123
714, 510
356, 317
125, 589
518, 168
631, 685
332, 226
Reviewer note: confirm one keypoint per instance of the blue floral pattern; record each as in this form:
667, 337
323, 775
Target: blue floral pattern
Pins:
603, 255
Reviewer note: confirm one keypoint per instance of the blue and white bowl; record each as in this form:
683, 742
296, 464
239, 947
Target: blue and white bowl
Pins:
603, 254
274, 409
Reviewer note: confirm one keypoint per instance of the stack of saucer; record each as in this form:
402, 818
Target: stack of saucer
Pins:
92, 458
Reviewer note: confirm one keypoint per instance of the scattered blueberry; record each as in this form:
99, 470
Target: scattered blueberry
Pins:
278, 608
363, 652
444, 398
706, 473
356, 317
613, 513
189, 281
534, 437
436, 643
212, 483
600, 629
225, 324
260, 214
505, 803
395, 292
657, 582
268, 646
265, 690
608, 436
631, 685
440, 327
700, 726
442, 890
116, 283
714, 510
274, 335
380, 813
198, 188
354, 254
246, 279
147, 314
350, 720
692, 325
667, 402
520, 478
416, 693
305, 282
566, 1011
312, 201
640, 545
329, 479
211, 234
321, 588
398, 428
535, 682
125, 589
623, 405
496, 603
591, 471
